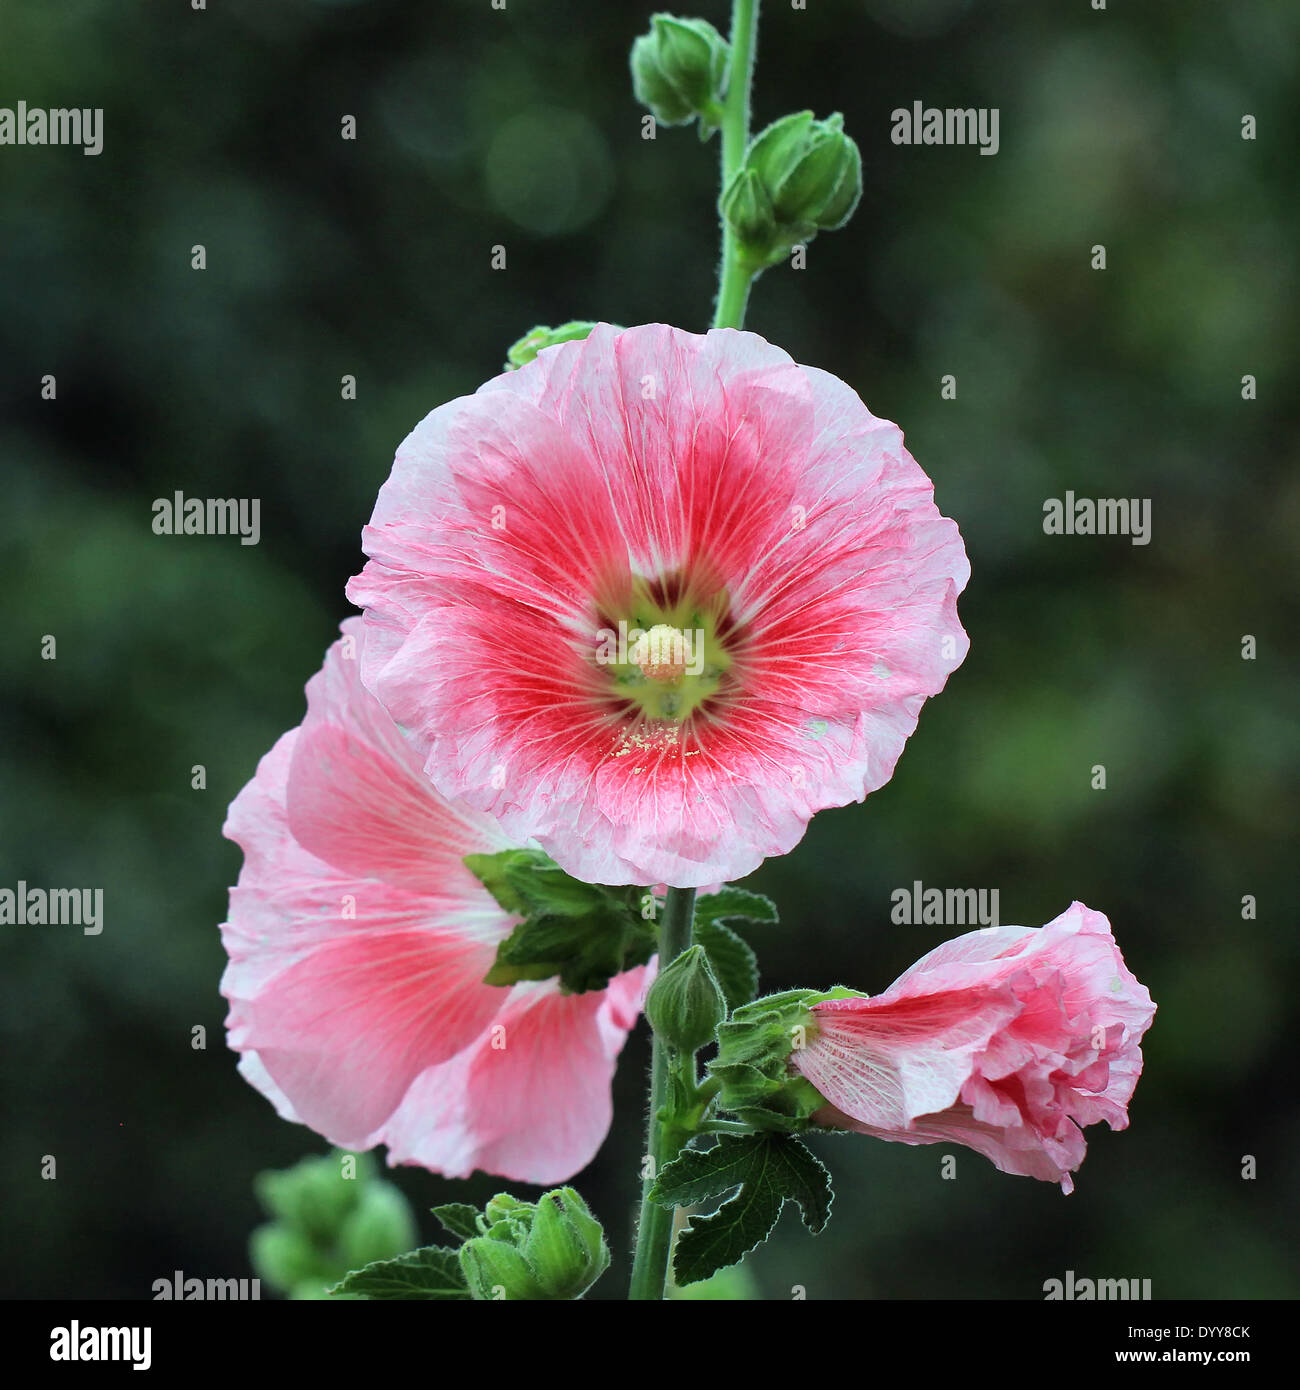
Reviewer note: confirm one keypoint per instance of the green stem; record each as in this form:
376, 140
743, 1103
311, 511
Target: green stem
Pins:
733, 285
654, 1233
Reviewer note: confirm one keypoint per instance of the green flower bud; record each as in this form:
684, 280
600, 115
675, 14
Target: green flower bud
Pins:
380, 1228
679, 71
753, 1061
526, 348
685, 1004
283, 1257
326, 1224
747, 210
811, 175
494, 1269
566, 1248
506, 1218
552, 1249
313, 1196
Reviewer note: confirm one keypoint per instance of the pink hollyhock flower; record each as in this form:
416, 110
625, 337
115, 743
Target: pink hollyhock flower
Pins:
1008, 1041
358, 942
656, 598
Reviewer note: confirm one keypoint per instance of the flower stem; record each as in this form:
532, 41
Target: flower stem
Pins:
734, 281
654, 1234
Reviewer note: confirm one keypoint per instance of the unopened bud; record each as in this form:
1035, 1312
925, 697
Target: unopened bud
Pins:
810, 176
679, 71
685, 1004
552, 1249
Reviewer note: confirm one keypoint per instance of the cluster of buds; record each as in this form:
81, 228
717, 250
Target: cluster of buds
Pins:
325, 1224
800, 176
550, 1249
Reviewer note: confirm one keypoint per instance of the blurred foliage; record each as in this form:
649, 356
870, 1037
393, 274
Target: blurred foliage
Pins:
329, 1215
325, 257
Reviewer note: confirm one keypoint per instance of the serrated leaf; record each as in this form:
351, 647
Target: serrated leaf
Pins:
458, 1219
763, 1171
805, 1180
695, 1175
711, 1243
735, 966
735, 905
432, 1272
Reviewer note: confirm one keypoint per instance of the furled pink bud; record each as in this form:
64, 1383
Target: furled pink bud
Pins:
1009, 1041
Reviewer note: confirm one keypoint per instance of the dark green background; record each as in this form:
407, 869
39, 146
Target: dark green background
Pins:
476, 128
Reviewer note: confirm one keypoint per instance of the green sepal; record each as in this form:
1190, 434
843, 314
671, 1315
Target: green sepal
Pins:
525, 349
746, 208
430, 1273
753, 1060
761, 1172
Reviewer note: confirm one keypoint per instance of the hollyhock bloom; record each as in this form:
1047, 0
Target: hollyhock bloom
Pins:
656, 598
1008, 1041
358, 941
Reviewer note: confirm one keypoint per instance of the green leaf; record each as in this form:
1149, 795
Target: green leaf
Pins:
582, 934
432, 1272
500, 875
735, 966
529, 882
458, 1219
735, 905
711, 1243
763, 1172
584, 953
